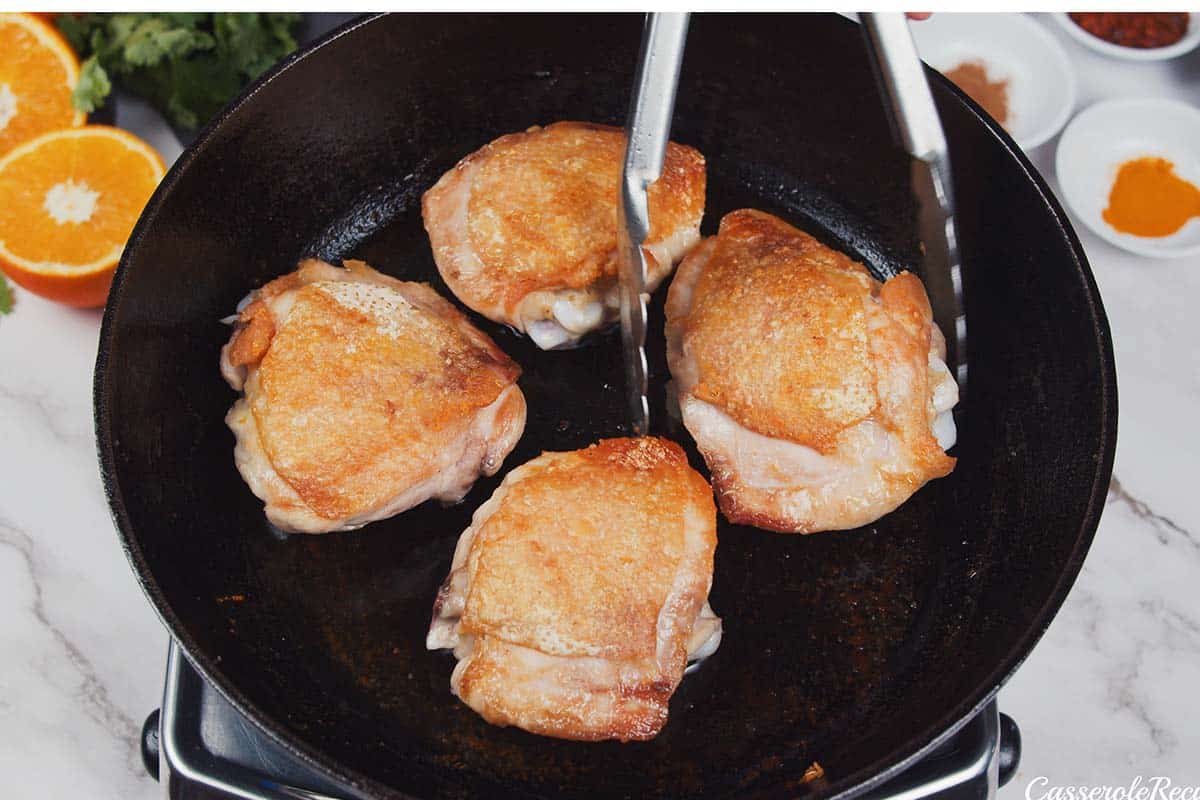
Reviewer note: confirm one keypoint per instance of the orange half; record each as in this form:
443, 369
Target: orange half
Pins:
38, 72
68, 202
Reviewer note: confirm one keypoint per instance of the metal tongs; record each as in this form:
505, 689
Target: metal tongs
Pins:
647, 130
915, 121
916, 124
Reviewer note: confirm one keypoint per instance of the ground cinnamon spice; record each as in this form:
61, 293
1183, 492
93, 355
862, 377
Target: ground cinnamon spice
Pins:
1149, 199
972, 77
1134, 29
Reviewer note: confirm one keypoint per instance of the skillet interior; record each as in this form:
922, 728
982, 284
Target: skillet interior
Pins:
853, 649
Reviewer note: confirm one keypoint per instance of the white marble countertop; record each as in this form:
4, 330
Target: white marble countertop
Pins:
1110, 693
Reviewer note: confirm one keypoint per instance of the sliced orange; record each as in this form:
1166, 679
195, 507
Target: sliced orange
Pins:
68, 201
38, 72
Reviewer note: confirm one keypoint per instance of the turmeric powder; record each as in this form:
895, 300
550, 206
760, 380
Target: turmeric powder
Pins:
1149, 199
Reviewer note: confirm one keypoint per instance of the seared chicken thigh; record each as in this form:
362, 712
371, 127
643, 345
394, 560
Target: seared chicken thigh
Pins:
819, 397
363, 396
578, 594
524, 230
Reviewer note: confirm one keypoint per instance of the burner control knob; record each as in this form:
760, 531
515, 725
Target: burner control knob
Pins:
150, 744
1010, 749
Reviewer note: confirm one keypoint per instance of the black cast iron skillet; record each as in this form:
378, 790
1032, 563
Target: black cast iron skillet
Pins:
858, 650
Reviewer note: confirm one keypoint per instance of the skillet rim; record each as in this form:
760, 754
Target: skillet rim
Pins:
1106, 447
850, 785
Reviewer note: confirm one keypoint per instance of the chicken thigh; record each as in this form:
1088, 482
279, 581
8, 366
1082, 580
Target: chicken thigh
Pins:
524, 230
363, 396
578, 594
819, 397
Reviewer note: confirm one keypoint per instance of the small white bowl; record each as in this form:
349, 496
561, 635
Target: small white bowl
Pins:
1184, 45
1108, 134
1015, 48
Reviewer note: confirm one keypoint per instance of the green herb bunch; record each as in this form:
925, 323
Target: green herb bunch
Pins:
187, 65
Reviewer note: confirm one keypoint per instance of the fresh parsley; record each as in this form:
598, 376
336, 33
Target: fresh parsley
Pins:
188, 65
6, 302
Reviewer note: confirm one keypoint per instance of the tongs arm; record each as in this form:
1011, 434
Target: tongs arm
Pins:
647, 129
902, 75
918, 129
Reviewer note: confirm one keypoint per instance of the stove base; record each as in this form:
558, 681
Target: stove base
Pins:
200, 748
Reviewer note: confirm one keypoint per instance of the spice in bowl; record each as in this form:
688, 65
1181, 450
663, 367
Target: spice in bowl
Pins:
1142, 30
972, 77
1149, 199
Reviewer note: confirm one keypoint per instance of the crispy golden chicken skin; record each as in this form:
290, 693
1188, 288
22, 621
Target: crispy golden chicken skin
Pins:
524, 230
819, 397
363, 396
579, 593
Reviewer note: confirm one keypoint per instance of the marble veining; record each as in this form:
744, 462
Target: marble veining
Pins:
1110, 692
45, 411
91, 694
1165, 526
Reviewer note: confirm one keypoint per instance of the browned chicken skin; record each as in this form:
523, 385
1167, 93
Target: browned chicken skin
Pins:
818, 396
524, 230
363, 396
579, 592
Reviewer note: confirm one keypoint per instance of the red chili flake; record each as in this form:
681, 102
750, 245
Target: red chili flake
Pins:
1134, 29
